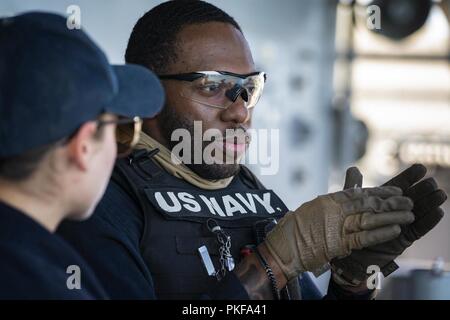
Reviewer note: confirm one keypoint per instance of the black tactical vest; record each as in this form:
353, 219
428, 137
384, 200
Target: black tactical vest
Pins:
176, 214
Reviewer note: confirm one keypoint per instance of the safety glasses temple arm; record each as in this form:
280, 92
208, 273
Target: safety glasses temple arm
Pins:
182, 76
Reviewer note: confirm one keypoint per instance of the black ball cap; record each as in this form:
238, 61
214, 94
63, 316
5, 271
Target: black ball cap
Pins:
53, 79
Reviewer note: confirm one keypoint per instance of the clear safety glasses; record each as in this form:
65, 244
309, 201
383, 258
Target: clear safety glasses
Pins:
220, 89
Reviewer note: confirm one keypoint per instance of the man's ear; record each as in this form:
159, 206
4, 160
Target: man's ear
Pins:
149, 123
151, 127
81, 146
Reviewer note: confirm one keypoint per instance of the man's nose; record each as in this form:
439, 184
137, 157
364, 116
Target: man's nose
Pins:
236, 112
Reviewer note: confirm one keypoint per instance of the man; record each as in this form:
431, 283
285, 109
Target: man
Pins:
60, 103
175, 230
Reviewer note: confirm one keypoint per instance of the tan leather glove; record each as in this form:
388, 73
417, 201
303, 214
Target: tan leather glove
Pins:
332, 225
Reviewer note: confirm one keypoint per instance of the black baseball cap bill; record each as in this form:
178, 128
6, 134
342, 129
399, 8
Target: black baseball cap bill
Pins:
53, 79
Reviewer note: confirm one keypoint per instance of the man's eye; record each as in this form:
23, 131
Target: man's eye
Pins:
210, 88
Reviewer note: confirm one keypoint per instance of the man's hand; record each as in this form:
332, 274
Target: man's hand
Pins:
333, 225
426, 197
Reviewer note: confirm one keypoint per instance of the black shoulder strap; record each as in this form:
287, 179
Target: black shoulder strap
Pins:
133, 173
250, 179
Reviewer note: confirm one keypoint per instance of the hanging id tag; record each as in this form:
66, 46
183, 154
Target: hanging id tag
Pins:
229, 262
207, 262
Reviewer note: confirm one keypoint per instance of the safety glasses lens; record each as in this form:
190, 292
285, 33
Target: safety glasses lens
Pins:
221, 91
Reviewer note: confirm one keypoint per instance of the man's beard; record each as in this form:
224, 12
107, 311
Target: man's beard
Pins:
168, 121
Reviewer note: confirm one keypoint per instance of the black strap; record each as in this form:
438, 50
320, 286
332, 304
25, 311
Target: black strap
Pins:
133, 173
250, 179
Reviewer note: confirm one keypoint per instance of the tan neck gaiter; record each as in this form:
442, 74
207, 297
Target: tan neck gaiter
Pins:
179, 170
